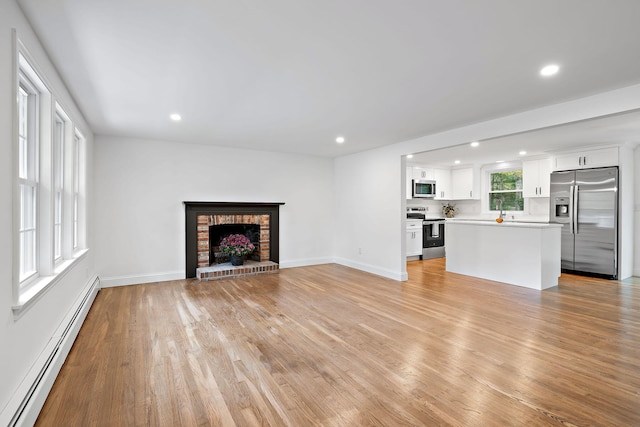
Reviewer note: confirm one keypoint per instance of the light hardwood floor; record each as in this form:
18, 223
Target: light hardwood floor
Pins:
328, 345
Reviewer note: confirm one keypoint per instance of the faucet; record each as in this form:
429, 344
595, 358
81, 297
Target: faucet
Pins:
499, 206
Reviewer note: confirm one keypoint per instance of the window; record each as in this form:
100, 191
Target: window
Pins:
58, 184
506, 189
28, 103
49, 233
77, 139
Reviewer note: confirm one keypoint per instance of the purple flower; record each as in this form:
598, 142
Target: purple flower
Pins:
237, 245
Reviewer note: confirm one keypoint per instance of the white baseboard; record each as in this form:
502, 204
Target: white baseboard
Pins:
305, 262
109, 282
27, 401
390, 274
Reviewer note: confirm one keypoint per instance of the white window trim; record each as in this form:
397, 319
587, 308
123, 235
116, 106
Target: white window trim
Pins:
28, 78
49, 272
59, 150
78, 191
487, 170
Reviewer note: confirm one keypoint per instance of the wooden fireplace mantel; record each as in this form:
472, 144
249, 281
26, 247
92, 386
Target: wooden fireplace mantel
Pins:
194, 209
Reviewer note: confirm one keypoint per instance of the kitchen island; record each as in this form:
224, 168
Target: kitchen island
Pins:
518, 253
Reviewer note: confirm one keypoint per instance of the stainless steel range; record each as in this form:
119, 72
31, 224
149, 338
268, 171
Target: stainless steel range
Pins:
432, 232
433, 238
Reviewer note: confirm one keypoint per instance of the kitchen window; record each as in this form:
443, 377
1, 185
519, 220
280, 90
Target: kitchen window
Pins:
506, 186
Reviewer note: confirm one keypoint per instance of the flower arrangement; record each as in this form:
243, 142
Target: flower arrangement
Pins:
236, 245
449, 210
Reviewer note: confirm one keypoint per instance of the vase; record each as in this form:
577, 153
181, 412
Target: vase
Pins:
237, 260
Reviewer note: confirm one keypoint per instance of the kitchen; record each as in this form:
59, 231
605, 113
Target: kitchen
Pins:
509, 179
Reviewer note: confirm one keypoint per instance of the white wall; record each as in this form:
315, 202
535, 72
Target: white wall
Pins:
370, 202
141, 185
372, 182
636, 214
23, 338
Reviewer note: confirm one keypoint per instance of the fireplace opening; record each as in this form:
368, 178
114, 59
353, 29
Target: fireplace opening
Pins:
220, 231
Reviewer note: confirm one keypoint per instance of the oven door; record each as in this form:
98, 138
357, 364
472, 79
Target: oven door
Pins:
432, 234
433, 239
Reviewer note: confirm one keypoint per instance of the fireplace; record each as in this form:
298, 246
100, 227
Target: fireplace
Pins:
206, 223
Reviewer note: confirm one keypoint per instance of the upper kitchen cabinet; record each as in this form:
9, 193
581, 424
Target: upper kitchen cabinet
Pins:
417, 173
443, 184
586, 159
465, 184
535, 178
408, 179
420, 172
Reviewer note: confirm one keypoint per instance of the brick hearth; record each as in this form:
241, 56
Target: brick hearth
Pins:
227, 271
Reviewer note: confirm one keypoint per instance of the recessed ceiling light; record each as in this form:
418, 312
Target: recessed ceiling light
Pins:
175, 117
522, 153
457, 162
409, 156
549, 70
499, 161
475, 143
340, 139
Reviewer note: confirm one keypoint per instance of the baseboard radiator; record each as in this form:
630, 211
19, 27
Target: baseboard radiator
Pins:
30, 397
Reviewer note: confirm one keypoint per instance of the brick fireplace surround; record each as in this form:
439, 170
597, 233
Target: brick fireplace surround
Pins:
206, 221
199, 216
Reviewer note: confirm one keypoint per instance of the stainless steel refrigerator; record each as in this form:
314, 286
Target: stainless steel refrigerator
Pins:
585, 202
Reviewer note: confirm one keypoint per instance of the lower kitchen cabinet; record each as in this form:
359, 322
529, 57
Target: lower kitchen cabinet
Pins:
414, 237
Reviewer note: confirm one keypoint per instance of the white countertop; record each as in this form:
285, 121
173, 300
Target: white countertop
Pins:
508, 218
505, 223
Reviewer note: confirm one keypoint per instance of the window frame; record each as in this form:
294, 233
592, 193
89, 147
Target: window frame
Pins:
59, 165
28, 174
50, 169
486, 183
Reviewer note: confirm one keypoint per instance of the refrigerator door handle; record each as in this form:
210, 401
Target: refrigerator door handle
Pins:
571, 224
576, 200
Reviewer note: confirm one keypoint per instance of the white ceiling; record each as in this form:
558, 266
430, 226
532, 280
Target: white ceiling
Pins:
614, 129
291, 75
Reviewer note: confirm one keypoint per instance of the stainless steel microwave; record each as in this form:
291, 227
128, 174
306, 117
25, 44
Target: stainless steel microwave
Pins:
423, 188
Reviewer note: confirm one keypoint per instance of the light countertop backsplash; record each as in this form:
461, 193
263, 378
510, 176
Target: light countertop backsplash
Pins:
536, 210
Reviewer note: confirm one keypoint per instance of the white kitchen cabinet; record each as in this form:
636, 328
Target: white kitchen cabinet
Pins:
443, 184
408, 179
420, 172
464, 184
536, 178
417, 173
587, 159
414, 237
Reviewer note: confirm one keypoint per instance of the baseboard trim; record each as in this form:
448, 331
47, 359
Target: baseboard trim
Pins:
23, 409
305, 262
110, 282
390, 274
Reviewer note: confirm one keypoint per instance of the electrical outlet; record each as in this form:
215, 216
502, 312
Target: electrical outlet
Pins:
360, 251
